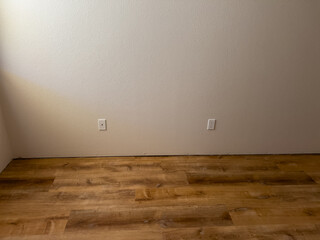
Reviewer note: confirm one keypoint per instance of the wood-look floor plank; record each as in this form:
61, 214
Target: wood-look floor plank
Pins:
70, 198
304, 164
133, 218
220, 165
308, 193
269, 178
263, 216
14, 212
249, 196
25, 185
262, 232
25, 227
128, 180
79, 170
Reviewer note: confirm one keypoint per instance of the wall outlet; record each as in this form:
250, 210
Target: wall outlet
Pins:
102, 124
211, 124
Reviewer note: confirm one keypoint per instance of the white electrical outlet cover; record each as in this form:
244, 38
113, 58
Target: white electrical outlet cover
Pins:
102, 124
211, 124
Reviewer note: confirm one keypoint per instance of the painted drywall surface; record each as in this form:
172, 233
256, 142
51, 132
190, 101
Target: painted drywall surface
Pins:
157, 70
5, 148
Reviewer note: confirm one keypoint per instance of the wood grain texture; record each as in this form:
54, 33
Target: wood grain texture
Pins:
255, 197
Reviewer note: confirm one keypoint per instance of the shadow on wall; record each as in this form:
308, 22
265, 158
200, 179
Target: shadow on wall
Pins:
38, 118
5, 147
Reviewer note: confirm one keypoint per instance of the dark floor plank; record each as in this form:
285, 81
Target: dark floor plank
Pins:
35, 184
268, 178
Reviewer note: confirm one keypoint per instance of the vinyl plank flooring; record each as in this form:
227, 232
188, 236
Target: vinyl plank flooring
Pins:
252, 197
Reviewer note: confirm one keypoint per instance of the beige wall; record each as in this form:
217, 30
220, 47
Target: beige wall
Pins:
5, 149
157, 70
